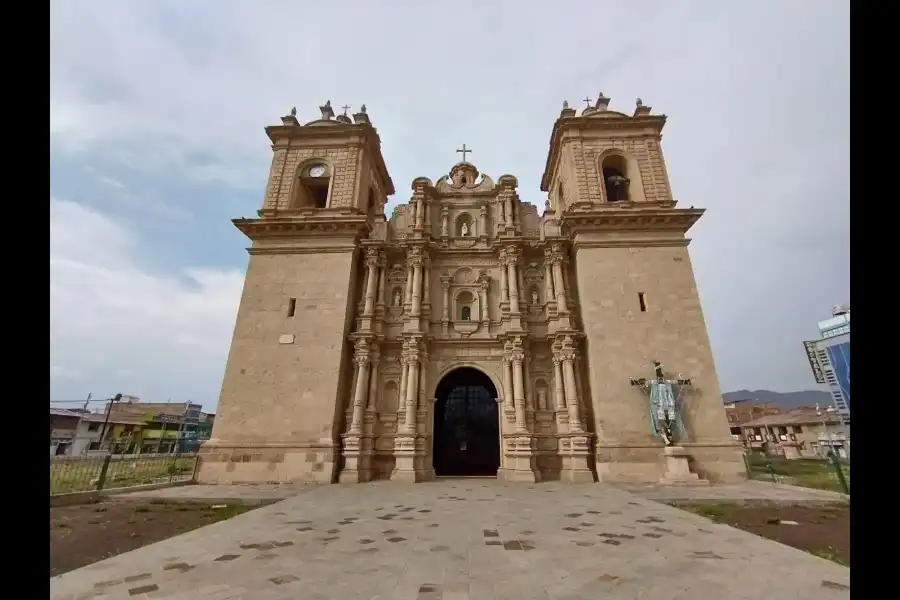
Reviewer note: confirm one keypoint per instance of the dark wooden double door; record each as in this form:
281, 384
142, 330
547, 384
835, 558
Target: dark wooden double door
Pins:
466, 425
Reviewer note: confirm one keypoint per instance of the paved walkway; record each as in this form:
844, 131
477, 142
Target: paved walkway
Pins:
459, 540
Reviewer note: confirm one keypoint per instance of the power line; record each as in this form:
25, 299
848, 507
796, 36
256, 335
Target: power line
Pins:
82, 401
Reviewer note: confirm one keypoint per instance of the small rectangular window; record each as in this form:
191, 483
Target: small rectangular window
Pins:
642, 301
292, 306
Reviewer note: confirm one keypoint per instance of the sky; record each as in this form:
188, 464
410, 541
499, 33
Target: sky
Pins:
157, 110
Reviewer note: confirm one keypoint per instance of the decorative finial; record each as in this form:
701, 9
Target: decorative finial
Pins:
294, 111
362, 109
602, 102
639, 102
565, 104
327, 112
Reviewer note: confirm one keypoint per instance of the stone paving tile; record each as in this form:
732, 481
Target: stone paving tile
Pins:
480, 539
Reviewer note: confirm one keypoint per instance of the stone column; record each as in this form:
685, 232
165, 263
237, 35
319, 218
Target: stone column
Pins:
359, 398
559, 285
407, 292
445, 309
508, 212
412, 392
508, 392
371, 282
420, 213
404, 378
382, 283
426, 294
445, 227
529, 384
572, 394
559, 394
519, 392
504, 284
548, 280
427, 206
523, 293
513, 286
373, 384
417, 288
483, 300
482, 220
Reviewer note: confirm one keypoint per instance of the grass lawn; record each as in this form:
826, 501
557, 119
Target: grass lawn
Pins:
81, 474
823, 530
803, 472
85, 533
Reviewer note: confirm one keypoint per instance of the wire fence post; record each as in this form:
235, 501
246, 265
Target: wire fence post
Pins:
836, 462
747, 466
101, 481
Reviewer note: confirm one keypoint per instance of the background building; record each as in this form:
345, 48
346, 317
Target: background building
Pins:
829, 358
130, 426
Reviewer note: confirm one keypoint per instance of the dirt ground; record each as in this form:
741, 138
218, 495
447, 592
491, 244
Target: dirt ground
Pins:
823, 530
86, 533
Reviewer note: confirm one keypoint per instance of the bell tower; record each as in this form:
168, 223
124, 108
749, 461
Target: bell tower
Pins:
608, 188
290, 362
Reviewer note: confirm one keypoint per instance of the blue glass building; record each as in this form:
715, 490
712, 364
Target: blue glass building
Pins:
829, 357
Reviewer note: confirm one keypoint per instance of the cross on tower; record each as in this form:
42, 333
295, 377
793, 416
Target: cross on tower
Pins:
587, 101
464, 151
346, 107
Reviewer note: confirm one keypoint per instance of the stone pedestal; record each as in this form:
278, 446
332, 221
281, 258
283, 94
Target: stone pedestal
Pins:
791, 450
357, 459
678, 471
521, 462
408, 465
576, 450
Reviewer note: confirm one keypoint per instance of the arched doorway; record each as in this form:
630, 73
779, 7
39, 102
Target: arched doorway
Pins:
466, 425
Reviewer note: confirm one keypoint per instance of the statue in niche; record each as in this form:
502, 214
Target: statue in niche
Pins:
397, 299
464, 230
542, 399
534, 297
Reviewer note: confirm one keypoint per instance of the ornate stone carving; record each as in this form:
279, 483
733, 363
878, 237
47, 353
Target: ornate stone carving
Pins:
373, 257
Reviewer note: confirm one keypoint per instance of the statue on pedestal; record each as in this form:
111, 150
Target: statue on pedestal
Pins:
662, 393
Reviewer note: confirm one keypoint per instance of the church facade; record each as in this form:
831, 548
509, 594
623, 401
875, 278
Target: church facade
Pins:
466, 334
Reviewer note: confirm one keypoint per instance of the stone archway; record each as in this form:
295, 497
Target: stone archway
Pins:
466, 425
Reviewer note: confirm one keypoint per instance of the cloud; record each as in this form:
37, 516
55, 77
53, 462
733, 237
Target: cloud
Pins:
169, 100
116, 327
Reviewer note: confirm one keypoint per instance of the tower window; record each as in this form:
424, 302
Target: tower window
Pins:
311, 189
466, 313
292, 306
615, 182
642, 301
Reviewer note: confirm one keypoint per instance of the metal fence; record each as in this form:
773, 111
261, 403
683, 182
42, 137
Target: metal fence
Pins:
110, 471
832, 474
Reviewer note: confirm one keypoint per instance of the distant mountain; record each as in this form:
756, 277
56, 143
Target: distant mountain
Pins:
785, 399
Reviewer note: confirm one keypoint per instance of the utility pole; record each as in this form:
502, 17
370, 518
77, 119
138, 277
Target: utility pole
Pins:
109, 406
80, 418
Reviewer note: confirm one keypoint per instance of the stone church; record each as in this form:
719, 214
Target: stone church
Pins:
467, 334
